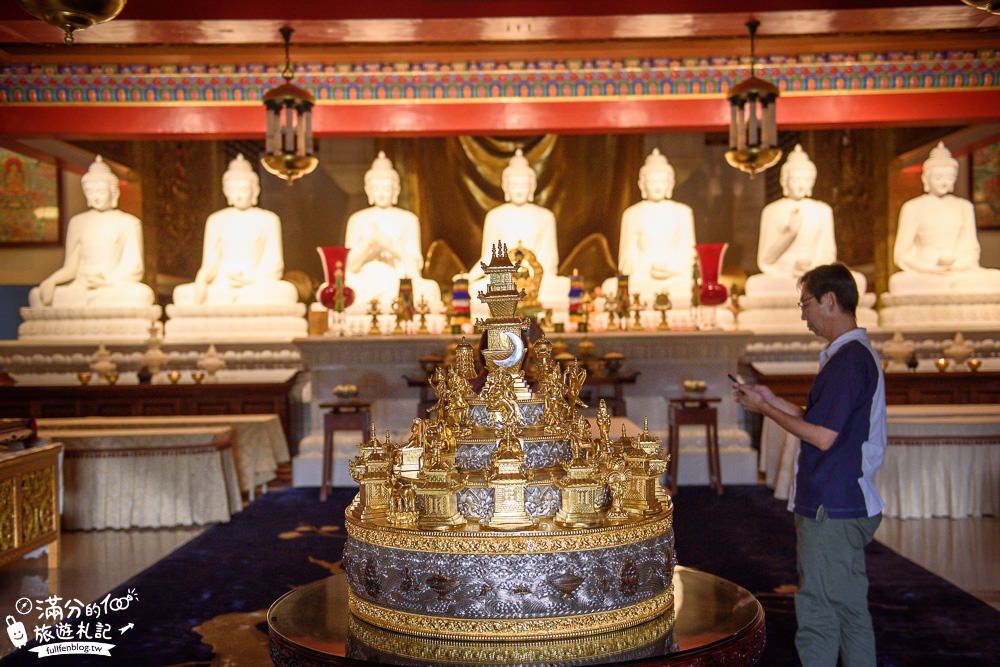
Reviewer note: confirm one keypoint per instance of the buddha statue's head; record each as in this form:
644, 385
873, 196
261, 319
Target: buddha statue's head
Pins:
798, 175
240, 184
382, 182
656, 177
940, 171
518, 180
100, 186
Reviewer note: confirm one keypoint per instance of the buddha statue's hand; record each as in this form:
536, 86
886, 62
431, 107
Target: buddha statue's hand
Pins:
801, 266
238, 280
661, 272
794, 222
95, 280
945, 262
47, 290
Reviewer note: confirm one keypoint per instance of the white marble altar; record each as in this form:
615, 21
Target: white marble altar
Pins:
375, 364
98, 293
937, 251
796, 235
519, 221
238, 293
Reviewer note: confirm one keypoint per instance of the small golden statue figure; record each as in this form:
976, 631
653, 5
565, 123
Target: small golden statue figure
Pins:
403, 506
604, 429
439, 383
556, 412
529, 281
574, 378
456, 404
617, 481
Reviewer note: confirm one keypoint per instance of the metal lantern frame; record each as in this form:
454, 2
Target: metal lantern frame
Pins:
753, 130
289, 149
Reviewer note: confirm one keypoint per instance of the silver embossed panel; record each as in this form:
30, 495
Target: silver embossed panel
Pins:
510, 586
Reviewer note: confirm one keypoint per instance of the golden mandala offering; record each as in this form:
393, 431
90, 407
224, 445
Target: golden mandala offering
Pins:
502, 518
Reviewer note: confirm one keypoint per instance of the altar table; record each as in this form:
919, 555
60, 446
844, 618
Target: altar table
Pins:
148, 477
941, 460
258, 441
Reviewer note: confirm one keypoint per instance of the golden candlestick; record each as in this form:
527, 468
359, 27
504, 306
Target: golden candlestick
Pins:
662, 304
638, 305
423, 310
374, 311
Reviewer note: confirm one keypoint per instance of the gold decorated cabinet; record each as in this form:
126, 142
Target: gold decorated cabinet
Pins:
29, 502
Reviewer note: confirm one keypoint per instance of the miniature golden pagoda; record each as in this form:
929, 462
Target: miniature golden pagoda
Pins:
468, 530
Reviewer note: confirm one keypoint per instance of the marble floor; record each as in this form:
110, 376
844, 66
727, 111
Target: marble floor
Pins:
965, 552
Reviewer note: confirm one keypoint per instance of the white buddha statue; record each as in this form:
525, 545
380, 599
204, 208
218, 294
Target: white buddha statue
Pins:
385, 245
656, 244
936, 248
242, 261
796, 233
519, 221
103, 262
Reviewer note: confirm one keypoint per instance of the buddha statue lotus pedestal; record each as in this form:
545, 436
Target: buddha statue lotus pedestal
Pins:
517, 524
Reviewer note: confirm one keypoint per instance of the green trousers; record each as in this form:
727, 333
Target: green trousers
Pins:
831, 605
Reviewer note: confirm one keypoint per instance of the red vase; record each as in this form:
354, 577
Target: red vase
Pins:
334, 294
712, 293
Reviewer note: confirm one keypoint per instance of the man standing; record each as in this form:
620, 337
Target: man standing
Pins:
836, 505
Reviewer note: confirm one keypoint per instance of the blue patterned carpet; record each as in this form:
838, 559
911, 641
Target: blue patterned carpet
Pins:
288, 538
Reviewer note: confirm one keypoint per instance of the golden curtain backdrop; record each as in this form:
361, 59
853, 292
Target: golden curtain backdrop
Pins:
451, 182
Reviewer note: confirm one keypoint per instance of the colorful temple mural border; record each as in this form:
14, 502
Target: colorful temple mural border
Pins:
494, 81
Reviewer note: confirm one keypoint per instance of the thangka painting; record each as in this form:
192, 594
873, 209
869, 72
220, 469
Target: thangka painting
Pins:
29, 199
986, 185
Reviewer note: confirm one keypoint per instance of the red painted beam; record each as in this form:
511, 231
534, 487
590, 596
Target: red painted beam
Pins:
701, 114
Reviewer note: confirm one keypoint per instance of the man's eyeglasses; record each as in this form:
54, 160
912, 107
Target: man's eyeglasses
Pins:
804, 302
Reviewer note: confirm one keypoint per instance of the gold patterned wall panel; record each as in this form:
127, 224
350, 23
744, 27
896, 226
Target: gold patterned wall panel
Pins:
37, 516
7, 516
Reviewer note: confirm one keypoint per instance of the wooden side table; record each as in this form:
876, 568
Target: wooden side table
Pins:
340, 416
696, 411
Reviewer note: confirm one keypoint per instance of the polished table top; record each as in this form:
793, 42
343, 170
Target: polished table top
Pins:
311, 625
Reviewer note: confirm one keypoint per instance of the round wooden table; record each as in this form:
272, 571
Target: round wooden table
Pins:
716, 623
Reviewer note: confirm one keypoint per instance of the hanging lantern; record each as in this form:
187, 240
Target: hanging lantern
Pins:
288, 150
753, 131
70, 15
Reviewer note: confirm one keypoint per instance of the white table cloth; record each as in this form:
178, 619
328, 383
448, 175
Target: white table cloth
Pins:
147, 478
259, 443
941, 460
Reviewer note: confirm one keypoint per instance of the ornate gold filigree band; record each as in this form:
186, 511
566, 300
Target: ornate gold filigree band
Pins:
512, 629
508, 653
522, 542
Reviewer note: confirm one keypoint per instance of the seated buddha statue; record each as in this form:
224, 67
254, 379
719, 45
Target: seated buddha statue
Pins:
936, 249
103, 262
242, 261
656, 246
520, 222
384, 243
796, 233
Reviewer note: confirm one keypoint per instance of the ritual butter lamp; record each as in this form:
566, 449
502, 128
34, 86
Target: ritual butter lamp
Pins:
613, 362
174, 377
942, 364
83, 377
197, 376
974, 364
662, 304
374, 311
289, 151
112, 377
